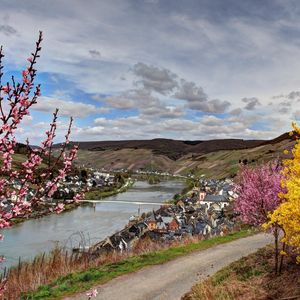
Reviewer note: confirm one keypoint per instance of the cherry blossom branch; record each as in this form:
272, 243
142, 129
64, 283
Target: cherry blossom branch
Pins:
15, 200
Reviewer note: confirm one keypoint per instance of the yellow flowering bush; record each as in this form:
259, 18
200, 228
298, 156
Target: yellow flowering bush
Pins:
287, 215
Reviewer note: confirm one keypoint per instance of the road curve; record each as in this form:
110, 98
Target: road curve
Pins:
170, 281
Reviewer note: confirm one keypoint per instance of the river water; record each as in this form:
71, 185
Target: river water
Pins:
91, 222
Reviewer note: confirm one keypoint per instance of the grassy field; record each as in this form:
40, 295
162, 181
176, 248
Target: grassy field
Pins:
251, 278
80, 281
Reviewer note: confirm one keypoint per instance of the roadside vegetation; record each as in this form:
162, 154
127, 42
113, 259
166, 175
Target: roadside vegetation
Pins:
62, 273
251, 278
153, 179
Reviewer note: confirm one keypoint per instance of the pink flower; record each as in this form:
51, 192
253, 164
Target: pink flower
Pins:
92, 293
17, 210
6, 89
24, 101
25, 73
258, 190
77, 197
59, 208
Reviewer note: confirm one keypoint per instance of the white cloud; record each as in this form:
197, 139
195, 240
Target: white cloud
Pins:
66, 107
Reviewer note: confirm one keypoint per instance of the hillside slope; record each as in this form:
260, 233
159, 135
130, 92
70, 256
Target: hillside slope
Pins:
174, 149
216, 158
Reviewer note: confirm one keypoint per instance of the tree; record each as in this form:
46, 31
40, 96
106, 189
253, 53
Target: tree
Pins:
15, 101
258, 189
287, 215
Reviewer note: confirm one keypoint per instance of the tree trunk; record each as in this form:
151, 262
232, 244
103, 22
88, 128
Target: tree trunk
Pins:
281, 258
276, 248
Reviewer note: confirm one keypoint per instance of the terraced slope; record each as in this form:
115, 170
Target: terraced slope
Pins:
208, 161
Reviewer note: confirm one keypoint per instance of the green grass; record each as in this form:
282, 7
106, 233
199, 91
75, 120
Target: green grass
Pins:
81, 281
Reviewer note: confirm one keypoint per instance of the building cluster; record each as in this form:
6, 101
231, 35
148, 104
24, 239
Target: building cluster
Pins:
203, 212
71, 185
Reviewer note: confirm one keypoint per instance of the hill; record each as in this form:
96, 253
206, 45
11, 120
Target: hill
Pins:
173, 149
215, 158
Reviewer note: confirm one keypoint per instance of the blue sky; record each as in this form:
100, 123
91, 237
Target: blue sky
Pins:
159, 68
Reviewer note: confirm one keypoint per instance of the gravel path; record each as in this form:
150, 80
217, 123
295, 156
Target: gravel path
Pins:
170, 281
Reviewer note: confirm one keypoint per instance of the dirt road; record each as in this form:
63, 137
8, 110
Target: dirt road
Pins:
173, 279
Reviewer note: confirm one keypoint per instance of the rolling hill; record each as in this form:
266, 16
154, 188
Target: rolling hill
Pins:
174, 149
214, 158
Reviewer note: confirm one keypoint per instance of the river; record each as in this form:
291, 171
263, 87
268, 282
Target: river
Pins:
91, 222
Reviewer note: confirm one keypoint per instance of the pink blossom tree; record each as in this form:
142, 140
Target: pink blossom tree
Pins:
258, 190
16, 99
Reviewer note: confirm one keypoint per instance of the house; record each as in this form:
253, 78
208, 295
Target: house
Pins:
202, 228
152, 224
201, 196
138, 229
161, 227
173, 225
189, 228
221, 200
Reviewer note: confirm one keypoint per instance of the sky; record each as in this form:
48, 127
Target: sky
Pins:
132, 69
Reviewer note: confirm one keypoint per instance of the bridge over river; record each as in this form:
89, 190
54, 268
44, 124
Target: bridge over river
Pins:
126, 202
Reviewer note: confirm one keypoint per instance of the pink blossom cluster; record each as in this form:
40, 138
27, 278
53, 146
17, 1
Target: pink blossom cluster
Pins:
258, 188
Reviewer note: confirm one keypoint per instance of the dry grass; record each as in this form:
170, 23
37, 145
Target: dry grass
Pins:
250, 278
44, 269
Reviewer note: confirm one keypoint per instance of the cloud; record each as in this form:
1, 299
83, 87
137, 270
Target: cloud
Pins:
67, 108
236, 111
163, 112
212, 106
155, 79
135, 98
197, 99
287, 103
147, 104
283, 110
251, 103
95, 54
294, 95
212, 121
190, 92
7, 30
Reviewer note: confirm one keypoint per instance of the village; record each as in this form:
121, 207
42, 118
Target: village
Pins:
205, 211
95, 181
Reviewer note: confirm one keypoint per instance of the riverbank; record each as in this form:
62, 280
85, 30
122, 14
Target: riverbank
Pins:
98, 195
43, 213
69, 275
